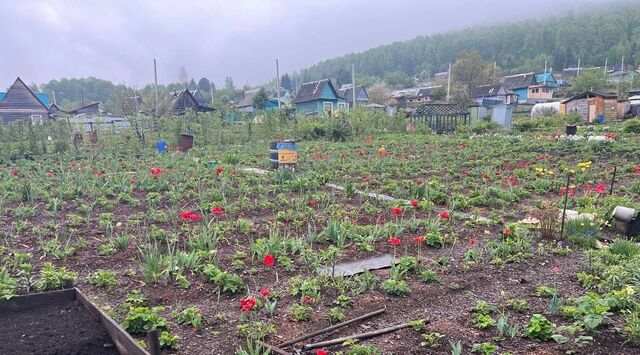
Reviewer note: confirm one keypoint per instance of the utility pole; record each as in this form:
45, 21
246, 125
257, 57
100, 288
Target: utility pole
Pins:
449, 83
155, 88
278, 81
606, 63
54, 97
353, 83
578, 73
622, 67
545, 66
211, 91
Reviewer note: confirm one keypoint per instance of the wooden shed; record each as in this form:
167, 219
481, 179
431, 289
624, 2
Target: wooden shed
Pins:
591, 105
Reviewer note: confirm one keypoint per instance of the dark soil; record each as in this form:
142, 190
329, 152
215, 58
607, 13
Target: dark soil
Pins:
65, 328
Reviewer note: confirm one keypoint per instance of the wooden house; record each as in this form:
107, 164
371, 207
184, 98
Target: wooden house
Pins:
197, 94
591, 105
319, 98
493, 94
183, 100
532, 87
346, 91
248, 98
20, 103
414, 97
92, 109
56, 111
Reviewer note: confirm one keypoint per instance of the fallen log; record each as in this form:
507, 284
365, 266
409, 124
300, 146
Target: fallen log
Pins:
362, 336
331, 328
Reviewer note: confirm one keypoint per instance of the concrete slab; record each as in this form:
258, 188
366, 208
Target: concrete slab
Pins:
359, 266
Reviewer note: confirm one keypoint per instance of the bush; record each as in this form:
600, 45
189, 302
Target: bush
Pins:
632, 126
484, 127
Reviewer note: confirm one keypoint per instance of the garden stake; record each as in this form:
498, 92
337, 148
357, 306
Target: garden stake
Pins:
564, 210
613, 179
367, 335
333, 327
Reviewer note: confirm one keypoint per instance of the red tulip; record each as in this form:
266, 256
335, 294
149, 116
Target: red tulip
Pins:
217, 211
247, 304
269, 260
415, 203
321, 352
472, 241
419, 239
444, 215
265, 292
601, 189
395, 241
507, 231
555, 269
156, 172
219, 170
396, 211
313, 202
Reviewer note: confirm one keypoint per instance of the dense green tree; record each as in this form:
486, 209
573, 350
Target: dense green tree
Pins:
261, 99
588, 80
286, 83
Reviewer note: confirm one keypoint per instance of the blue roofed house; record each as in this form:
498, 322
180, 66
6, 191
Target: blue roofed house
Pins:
532, 87
318, 98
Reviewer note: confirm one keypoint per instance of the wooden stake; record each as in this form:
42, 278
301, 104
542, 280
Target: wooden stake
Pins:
613, 179
367, 335
333, 327
564, 210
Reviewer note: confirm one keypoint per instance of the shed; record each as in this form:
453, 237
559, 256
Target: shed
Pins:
502, 115
319, 97
246, 103
590, 105
183, 100
20, 103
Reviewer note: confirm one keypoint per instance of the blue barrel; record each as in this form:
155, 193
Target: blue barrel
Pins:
161, 146
601, 119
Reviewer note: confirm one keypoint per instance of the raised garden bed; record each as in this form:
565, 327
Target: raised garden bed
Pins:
60, 322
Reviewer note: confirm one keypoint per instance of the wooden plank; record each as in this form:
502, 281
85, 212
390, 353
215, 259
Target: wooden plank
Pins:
19, 303
333, 327
359, 266
125, 344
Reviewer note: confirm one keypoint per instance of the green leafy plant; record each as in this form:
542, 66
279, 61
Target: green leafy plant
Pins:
300, 312
189, 316
52, 278
539, 328
103, 278
141, 320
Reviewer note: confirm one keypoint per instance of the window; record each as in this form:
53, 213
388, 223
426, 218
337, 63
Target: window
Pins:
327, 106
36, 119
342, 105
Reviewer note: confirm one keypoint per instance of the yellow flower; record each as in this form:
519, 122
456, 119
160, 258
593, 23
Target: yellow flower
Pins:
550, 172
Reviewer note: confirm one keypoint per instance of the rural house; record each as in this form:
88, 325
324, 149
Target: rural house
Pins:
20, 103
493, 94
590, 106
92, 109
248, 97
319, 98
183, 100
197, 94
411, 98
531, 87
346, 91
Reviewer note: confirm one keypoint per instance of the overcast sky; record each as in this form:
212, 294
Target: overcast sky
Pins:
118, 39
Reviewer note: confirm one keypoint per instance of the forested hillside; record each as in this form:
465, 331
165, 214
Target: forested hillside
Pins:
590, 35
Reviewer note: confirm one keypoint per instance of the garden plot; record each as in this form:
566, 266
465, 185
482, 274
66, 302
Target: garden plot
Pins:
218, 258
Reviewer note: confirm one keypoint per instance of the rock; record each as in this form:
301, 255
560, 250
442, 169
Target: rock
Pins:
530, 220
108, 345
601, 245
